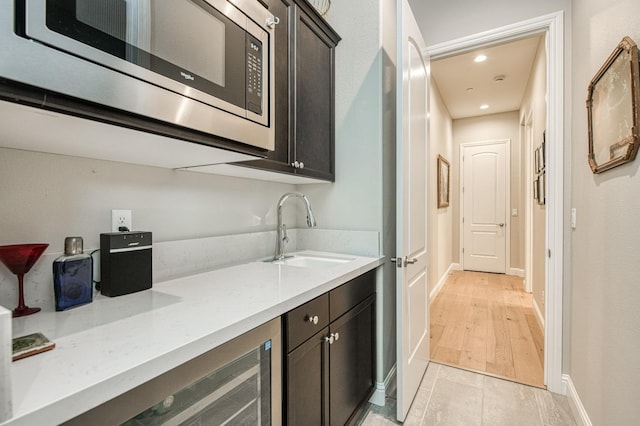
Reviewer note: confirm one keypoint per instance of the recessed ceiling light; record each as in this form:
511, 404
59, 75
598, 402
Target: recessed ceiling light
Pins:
484, 106
480, 58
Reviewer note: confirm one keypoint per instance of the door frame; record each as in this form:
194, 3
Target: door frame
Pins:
553, 25
507, 197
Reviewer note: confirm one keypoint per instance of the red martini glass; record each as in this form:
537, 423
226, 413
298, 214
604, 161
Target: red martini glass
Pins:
19, 258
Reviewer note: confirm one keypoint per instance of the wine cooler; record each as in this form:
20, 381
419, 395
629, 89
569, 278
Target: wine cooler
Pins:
237, 383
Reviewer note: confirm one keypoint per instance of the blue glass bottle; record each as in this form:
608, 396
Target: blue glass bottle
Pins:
72, 276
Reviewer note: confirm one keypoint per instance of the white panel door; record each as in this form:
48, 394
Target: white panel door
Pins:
484, 207
411, 246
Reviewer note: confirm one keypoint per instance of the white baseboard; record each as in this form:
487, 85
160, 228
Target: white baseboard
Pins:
378, 397
579, 413
539, 315
517, 272
434, 292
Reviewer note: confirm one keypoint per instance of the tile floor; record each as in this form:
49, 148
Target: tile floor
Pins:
451, 396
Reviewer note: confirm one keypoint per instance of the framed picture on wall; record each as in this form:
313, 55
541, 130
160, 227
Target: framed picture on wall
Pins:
613, 112
539, 156
443, 182
543, 157
542, 189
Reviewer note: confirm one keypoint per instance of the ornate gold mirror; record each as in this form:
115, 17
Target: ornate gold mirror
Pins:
612, 106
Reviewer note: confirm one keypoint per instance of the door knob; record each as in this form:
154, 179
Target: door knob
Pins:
301, 165
313, 319
408, 261
329, 338
295, 164
501, 225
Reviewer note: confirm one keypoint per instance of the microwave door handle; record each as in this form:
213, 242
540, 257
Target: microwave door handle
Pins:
272, 22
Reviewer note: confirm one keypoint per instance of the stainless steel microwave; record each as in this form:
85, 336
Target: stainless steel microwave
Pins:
205, 65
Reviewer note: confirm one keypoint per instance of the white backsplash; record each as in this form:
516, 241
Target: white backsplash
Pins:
360, 243
172, 259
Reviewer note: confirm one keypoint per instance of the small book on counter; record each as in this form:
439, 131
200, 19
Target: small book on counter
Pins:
31, 344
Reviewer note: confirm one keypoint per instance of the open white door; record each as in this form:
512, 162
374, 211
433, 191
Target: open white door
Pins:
411, 247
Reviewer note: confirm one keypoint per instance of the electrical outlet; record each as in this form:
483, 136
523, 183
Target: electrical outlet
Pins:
121, 218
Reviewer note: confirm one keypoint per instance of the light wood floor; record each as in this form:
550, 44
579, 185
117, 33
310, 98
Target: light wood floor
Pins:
486, 323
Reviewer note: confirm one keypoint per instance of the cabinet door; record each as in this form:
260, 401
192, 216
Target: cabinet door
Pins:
314, 99
351, 370
307, 378
282, 9
278, 159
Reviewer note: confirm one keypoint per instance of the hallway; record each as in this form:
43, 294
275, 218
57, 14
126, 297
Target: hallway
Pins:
486, 323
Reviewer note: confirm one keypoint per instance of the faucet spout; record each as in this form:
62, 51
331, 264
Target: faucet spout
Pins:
281, 228
311, 219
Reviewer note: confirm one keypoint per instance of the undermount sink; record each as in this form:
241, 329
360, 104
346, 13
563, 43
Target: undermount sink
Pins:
312, 261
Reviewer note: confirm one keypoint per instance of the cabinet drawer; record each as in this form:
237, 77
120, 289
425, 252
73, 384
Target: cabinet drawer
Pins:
348, 295
300, 324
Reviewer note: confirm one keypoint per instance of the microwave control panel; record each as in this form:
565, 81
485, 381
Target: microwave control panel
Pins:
254, 75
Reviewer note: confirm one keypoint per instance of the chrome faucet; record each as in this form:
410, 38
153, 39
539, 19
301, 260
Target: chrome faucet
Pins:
281, 230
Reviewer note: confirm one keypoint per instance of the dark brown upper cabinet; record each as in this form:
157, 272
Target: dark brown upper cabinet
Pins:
305, 93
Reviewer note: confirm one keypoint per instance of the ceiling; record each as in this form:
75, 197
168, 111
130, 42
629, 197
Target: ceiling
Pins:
465, 85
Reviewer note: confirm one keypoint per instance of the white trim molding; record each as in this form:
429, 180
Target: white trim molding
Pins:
577, 408
518, 272
538, 312
443, 279
379, 394
553, 25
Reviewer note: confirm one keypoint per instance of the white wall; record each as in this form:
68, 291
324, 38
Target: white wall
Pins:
439, 219
605, 246
46, 197
363, 197
490, 128
534, 106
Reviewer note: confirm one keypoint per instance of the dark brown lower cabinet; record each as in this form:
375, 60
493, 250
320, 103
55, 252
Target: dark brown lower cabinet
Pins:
351, 362
331, 374
306, 378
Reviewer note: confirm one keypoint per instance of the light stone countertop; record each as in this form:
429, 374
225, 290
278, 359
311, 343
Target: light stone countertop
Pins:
112, 345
